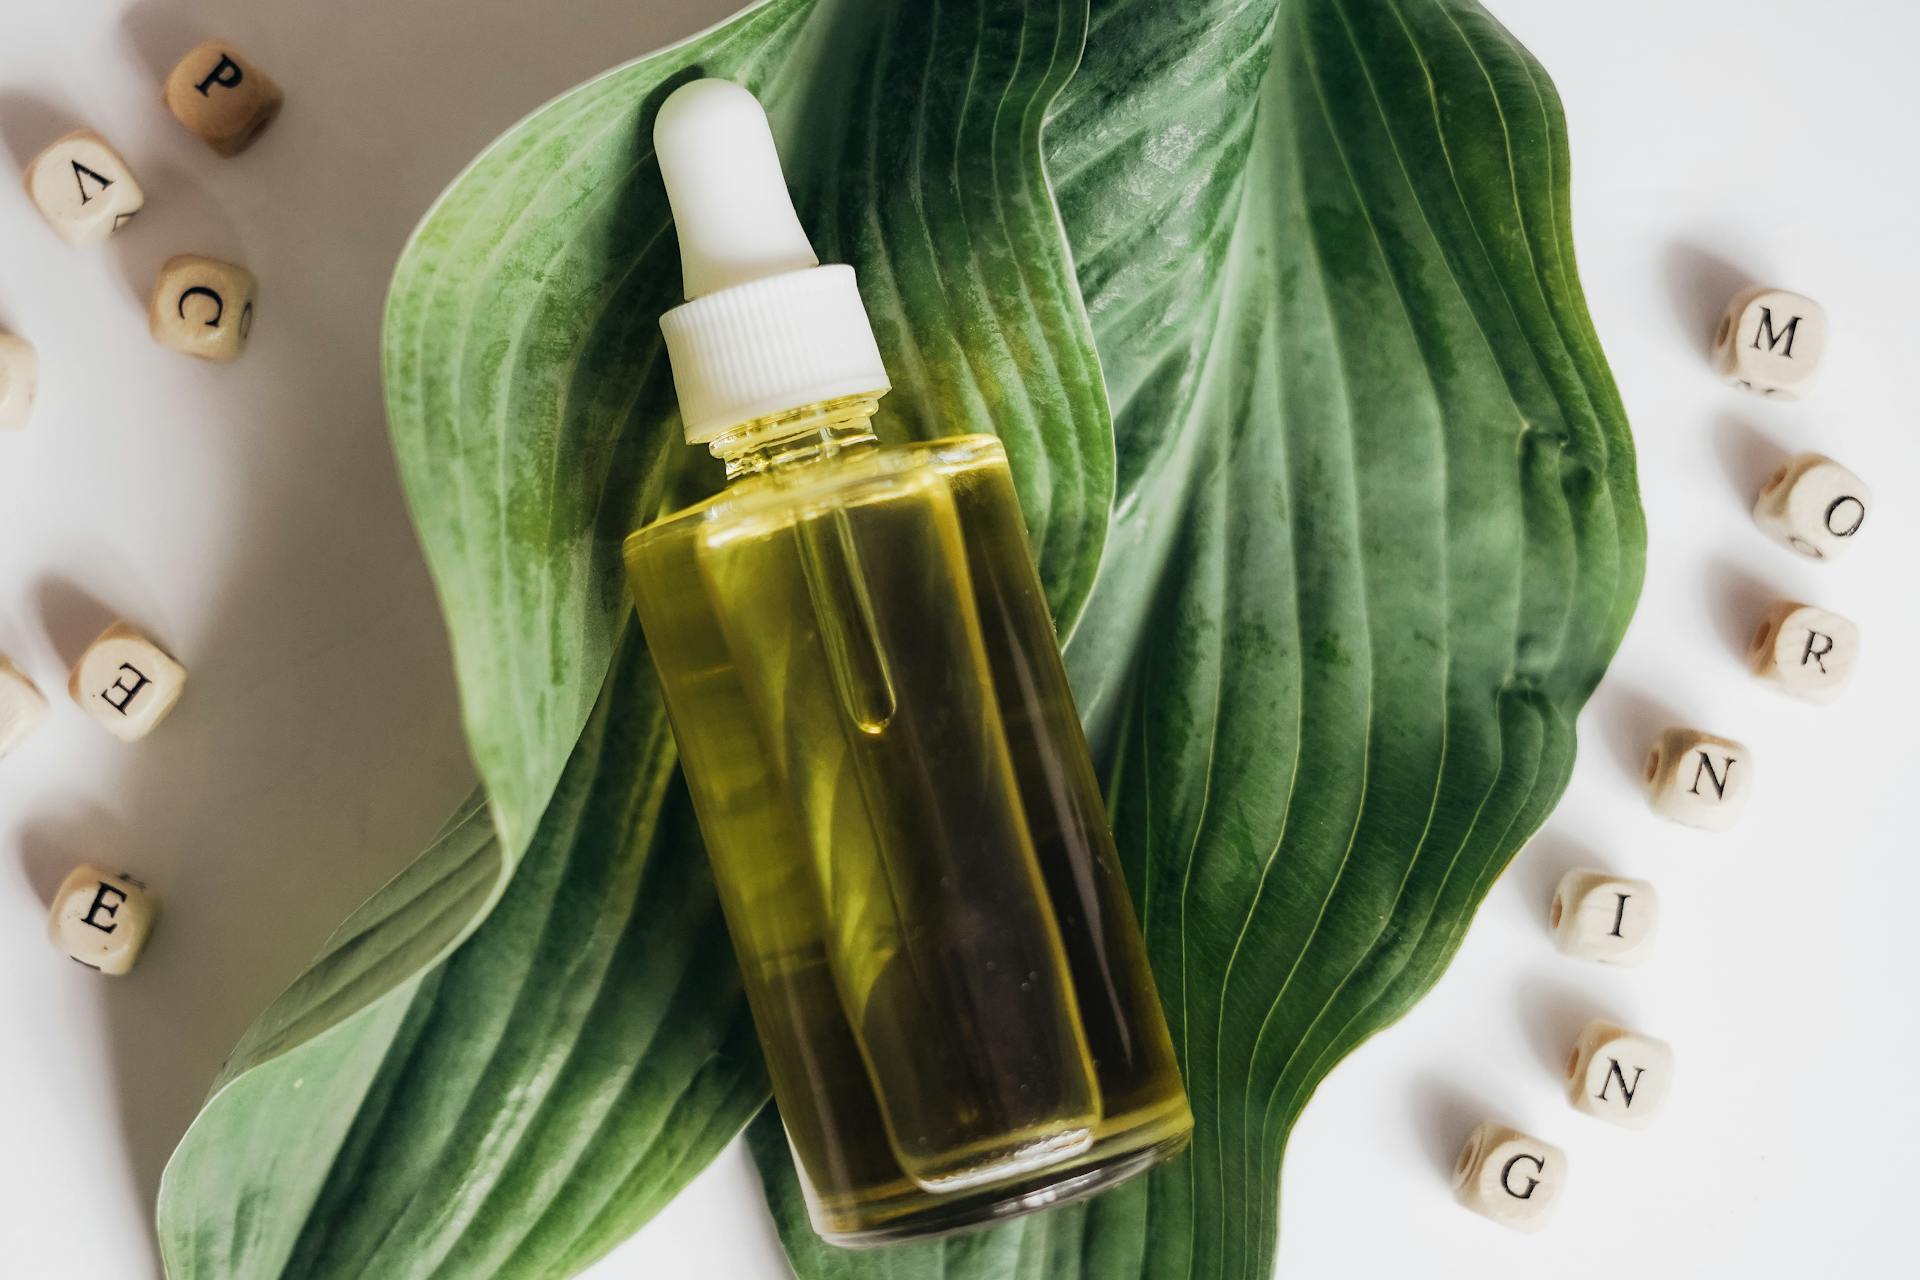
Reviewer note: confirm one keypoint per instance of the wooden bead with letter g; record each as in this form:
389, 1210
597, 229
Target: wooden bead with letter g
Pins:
202, 306
1805, 651
1601, 917
1619, 1076
100, 919
1814, 505
1509, 1177
220, 94
1771, 341
1698, 779
126, 682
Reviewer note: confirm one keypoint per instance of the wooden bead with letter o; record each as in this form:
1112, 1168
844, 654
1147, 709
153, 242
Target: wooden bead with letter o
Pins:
1814, 505
203, 306
220, 94
1698, 779
1507, 1176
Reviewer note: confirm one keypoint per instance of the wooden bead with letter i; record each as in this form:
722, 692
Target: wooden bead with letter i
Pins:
1597, 916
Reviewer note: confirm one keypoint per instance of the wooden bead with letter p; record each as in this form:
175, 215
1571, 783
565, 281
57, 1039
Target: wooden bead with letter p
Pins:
1619, 1076
1601, 917
1509, 1177
126, 682
1698, 779
1805, 651
202, 306
100, 919
220, 94
1814, 505
1771, 341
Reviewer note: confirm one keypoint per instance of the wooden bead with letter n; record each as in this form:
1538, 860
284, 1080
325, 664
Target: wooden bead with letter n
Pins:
1509, 1177
1619, 1076
202, 306
1805, 651
1771, 341
1814, 505
126, 682
1601, 917
220, 94
100, 919
1699, 779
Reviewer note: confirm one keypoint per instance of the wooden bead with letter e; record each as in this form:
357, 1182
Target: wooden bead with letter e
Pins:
1617, 1075
1805, 651
126, 682
1771, 341
1509, 1177
1814, 505
1601, 917
202, 306
83, 188
100, 919
1698, 779
222, 96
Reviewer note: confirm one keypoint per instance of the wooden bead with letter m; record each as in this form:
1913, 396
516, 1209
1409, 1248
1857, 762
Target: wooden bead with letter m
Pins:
202, 306
1771, 341
1699, 779
1509, 1177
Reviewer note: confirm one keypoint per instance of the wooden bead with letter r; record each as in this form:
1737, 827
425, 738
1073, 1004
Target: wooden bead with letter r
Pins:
1805, 651
202, 306
1698, 779
1509, 1177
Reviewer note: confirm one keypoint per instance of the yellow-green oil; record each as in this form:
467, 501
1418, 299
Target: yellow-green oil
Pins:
907, 835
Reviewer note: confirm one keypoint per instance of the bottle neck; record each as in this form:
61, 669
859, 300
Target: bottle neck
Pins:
812, 433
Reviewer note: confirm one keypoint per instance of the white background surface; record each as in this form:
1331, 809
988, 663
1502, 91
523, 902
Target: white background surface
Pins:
248, 516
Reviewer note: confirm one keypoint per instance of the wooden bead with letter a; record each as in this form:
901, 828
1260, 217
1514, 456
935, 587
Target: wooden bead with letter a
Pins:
1601, 917
1509, 1177
1619, 1076
1699, 779
1805, 651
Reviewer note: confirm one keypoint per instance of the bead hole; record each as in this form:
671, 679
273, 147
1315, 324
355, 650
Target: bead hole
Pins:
1573, 1062
1553, 920
1724, 332
1653, 764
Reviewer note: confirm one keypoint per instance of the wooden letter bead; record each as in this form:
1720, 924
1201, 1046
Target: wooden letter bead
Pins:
1771, 341
1814, 505
1601, 917
126, 683
220, 94
1619, 1076
1505, 1175
19, 379
1806, 651
101, 920
22, 706
83, 187
202, 306
1699, 779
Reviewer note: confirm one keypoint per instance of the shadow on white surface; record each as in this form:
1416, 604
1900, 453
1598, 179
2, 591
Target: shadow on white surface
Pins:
1444, 1113
1700, 283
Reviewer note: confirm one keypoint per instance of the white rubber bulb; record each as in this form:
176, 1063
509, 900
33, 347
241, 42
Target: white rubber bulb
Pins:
729, 198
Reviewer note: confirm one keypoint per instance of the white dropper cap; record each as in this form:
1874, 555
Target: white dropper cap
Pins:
765, 329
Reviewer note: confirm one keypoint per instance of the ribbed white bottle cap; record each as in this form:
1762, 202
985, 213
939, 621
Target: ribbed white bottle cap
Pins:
765, 328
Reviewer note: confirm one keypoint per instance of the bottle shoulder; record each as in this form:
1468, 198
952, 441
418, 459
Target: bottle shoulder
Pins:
868, 475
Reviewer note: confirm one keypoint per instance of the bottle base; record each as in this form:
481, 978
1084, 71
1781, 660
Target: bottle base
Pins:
993, 1205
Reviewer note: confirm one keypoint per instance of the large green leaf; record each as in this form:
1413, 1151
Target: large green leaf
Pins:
1354, 544
1387, 509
